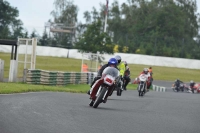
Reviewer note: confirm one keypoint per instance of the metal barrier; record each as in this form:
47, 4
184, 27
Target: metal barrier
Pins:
57, 78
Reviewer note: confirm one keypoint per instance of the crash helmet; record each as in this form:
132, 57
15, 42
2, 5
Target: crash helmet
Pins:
112, 61
145, 70
125, 63
118, 58
191, 81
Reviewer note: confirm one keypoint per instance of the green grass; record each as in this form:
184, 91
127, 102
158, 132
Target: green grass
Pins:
74, 65
9, 88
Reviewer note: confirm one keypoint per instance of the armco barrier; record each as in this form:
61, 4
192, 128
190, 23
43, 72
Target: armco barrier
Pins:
57, 78
159, 88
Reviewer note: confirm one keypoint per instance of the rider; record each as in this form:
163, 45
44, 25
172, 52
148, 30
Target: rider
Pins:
97, 82
151, 75
177, 84
110, 62
120, 66
126, 75
150, 70
192, 83
146, 72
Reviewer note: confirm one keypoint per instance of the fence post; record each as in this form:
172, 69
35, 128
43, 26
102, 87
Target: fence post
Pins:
13, 71
1, 70
154, 87
24, 75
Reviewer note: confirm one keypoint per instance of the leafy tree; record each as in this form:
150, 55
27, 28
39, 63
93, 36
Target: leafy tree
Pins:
17, 29
65, 14
44, 41
156, 27
93, 38
26, 34
10, 26
33, 34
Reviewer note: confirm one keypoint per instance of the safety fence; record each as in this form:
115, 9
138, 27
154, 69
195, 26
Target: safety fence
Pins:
57, 78
159, 88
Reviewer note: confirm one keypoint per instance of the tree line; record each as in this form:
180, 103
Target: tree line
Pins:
157, 27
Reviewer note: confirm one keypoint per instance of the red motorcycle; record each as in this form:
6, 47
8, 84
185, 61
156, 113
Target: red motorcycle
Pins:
144, 82
196, 88
109, 76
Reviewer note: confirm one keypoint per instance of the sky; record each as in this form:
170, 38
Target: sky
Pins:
34, 13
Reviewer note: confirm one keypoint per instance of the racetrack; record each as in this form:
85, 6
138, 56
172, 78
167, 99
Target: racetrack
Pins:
59, 112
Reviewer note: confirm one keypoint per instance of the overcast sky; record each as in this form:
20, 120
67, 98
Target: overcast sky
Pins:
34, 13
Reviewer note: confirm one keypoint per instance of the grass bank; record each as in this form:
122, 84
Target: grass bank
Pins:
9, 88
74, 65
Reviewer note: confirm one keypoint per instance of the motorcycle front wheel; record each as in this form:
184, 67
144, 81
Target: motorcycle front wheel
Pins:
99, 98
141, 93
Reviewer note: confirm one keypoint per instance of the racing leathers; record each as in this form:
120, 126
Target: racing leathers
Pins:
121, 67
177, 84
148, 82
97, 83
126, 77
99, 74
192, 86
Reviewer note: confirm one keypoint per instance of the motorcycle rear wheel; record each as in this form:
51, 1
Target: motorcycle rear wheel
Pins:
119, 91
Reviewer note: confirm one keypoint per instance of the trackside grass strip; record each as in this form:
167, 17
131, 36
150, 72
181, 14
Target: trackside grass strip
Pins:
9, 88
74, 65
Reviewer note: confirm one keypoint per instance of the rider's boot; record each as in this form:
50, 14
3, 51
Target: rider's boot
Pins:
125, 84
91, 103
88, 92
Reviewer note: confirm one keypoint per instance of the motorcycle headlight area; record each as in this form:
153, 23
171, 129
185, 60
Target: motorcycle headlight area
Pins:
109, 80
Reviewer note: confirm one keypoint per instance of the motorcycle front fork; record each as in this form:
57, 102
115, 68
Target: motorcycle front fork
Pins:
99, 91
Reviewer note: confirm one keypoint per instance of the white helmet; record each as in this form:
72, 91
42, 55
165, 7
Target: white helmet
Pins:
145, 70
191, 81
125, 63
118, 58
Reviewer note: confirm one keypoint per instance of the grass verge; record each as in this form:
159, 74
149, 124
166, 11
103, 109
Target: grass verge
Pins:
74, 65
9, 88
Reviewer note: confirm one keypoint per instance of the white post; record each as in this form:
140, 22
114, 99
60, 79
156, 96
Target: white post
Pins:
153, 87
105, 25
97, 61
157, 88
82, 64
25, 60
13, 71
33, 56
163, 89
1, 70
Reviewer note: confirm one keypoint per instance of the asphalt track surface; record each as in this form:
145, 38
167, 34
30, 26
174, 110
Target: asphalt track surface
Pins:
59, 112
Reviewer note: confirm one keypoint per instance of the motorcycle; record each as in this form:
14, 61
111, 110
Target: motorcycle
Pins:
126, 80
183, 88
195, 89
119, 86
142, 84
109, 76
